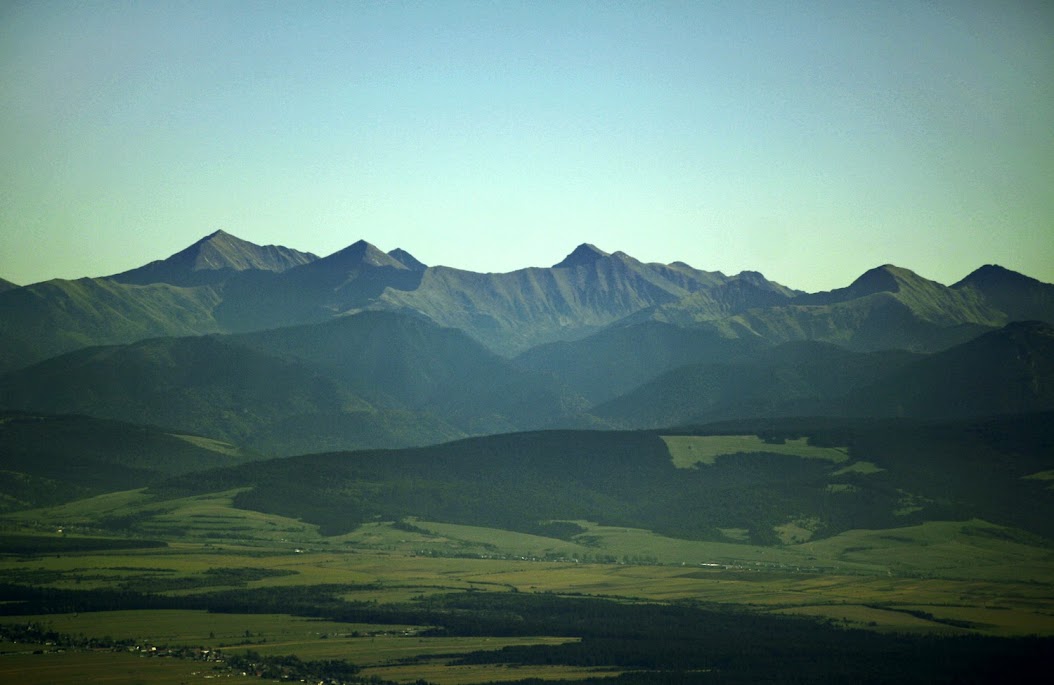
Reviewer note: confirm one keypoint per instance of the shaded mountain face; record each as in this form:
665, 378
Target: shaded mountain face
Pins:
1020, 297
620, 358
800, 378
44, 319
344, 282
373, 379
201, 385
50, 459
1007, 371
886, 308
406, 259
214, 258
222, 284
403, 362
514, 311
7, 285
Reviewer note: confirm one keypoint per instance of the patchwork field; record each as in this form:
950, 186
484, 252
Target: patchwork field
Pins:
264, 589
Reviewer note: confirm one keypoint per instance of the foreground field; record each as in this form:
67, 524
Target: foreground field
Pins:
182, 586
115, 668
963, 576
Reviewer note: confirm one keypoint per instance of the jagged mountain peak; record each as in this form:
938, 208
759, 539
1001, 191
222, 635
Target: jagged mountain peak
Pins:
583, 255
361, 253
408, 260
213, 256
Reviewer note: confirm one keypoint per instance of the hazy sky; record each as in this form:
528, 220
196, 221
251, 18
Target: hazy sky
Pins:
809, 141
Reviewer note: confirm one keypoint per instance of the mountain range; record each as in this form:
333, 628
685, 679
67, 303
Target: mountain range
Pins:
285, 352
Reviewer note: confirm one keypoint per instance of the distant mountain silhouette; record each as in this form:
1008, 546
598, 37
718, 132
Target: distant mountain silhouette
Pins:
367, 348
1007, 371
406, 259
369, 380
1020, 297
583, 255
212, 259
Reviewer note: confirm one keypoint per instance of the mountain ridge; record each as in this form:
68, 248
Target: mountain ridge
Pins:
222, 284
212, 259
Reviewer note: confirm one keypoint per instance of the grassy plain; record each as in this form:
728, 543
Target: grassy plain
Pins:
946, 566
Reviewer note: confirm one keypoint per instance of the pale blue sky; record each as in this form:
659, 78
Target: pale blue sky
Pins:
807, 140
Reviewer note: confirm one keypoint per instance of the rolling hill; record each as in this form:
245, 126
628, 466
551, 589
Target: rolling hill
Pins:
372, 379
890, 473
1008, 371
801, 378
50, 459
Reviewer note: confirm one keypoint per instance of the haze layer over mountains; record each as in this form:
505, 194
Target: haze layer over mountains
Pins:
286, 352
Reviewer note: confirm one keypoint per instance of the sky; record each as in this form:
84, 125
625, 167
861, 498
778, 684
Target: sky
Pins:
810, 141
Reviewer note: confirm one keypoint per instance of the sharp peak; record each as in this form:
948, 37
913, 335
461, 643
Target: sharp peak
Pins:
406, 259
359, 245
362, 252
220, 234
217, 239
992, 272
584, 254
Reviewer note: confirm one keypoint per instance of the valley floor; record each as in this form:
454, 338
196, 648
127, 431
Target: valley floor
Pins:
937, 579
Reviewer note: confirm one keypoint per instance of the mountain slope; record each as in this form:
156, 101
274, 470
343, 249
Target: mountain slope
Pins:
886, 308
1010, 370
225, 284
214, 258
619, 358
740, 293
47, 459
372, 379
344, 282
6, 285
213, 387
1022, 298
795, 378
45, 319
408, 363
513, 311
406, 259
